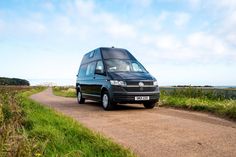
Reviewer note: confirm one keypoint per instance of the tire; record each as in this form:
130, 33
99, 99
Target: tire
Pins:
107, 104
149, 105
80, 99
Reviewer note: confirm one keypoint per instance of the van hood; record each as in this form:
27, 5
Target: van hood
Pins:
130, 76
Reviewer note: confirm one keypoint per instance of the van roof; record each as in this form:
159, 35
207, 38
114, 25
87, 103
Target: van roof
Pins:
116, 53
107, 53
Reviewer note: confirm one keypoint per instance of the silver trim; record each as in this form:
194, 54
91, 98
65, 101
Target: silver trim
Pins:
139, 86
91, 95
105, 100
79, 96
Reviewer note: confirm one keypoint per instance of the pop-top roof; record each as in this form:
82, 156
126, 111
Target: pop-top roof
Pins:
107, 53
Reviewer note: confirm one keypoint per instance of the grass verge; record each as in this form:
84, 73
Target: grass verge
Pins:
64, 91
195, 99
48, 133
14, 139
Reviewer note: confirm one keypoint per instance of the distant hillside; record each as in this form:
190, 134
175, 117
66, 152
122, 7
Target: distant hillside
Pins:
13, 81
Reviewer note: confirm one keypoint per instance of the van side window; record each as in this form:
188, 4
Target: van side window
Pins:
90, 69
100, 66
91, 54
82, 70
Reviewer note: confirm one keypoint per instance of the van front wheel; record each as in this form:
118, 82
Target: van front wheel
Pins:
106, 102
80, 99
149, 105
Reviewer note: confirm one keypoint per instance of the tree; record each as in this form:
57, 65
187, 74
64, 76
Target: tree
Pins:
13, 81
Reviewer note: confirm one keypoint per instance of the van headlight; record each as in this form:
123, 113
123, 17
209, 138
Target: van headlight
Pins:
117, 83
155, 83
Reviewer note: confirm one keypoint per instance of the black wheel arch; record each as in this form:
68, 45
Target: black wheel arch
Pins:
77, 89
104, 89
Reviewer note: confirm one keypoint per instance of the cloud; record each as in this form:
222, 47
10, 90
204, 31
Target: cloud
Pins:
120, 30
225, 4
207, 43
164, 20
48, 6
195, 4
25, 27
105, 23
167, 42
85, 7
2, 25
83, 21
64, 25
79, 20
181, 19
116, 28
136, 4
34, 27
226, 29
143, 3
194, 48
220, 17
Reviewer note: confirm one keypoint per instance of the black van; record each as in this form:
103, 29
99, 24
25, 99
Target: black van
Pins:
113, 75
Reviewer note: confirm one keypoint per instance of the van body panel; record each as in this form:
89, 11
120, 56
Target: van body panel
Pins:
130, 76
99, 83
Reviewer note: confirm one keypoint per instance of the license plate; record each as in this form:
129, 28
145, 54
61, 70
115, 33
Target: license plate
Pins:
138, 98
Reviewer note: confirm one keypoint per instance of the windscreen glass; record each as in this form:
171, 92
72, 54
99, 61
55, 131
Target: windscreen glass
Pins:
121, 65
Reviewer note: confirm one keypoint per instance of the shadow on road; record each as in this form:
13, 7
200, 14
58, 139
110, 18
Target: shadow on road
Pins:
117, 107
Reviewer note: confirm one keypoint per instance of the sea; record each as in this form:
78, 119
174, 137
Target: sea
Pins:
72, 82
52, 82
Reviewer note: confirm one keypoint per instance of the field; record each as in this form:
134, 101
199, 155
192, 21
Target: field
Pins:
30, 129
220, 102
64, 91
217, 101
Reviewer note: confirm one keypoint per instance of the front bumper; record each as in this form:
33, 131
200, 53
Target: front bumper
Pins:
122, 96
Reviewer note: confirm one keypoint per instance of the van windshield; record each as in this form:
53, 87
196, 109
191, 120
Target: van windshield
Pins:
122, 65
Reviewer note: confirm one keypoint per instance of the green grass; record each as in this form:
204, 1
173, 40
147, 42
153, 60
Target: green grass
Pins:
14, 139
199, 100
64, 91
48, 133
198, 92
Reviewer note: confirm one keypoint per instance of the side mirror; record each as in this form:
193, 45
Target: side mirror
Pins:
99, 72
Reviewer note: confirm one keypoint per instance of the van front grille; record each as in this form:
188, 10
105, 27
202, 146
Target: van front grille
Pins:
140, 89
137, 83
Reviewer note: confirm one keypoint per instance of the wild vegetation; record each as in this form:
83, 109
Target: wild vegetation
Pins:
68, 91
218, 101
13, 81
30, 129
14, 139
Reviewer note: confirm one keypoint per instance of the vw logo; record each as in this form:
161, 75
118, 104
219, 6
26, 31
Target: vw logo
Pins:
140, 84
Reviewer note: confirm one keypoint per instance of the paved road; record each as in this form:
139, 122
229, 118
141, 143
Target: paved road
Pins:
150, 133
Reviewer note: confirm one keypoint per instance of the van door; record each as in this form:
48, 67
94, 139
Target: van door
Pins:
81, 78
99, 78
87, 86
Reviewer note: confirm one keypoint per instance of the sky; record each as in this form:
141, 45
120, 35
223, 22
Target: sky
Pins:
187, 42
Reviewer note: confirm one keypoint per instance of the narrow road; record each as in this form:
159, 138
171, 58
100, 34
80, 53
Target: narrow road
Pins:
152, 133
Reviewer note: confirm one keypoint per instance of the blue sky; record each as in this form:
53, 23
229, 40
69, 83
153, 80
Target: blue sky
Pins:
179, 42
